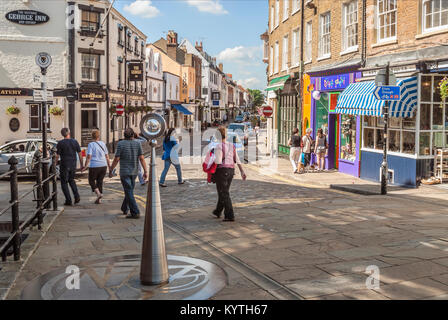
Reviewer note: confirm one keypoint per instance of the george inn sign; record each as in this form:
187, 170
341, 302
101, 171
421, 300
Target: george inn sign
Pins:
27, 17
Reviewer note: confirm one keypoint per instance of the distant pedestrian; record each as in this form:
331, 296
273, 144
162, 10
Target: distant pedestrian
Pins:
294, 151
142, 140
98, 162
321, 149
171, 157
307, 143
129, 153
67, 149
226, 157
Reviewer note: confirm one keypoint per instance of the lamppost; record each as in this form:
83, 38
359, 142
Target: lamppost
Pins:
154, 265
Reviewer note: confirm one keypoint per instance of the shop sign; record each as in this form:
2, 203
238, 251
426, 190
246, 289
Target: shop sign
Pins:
340, 81
92, 96
27, 17
216, 102
15, 92
136, 71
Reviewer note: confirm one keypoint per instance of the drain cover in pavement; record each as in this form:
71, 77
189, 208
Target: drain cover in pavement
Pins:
117, 278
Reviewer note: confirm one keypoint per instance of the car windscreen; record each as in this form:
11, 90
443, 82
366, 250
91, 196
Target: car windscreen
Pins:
234, 139
234, 127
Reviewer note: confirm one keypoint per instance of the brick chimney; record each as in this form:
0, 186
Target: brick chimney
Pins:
171, 37
221, 67
171, 45
198, 47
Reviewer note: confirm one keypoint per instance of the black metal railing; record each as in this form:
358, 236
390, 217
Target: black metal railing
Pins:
36, 216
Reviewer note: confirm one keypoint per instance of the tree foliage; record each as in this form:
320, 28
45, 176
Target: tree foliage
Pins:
257, 97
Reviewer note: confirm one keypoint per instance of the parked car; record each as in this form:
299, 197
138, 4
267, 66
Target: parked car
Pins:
240, 129
231, 137
24, 151
239, 118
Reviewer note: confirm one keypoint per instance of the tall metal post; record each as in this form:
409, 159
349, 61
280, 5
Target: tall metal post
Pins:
44, 116
15, 207
54, 180
384, 172
154, 264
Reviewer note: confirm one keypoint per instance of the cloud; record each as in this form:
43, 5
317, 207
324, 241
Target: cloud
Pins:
142, 8
251, 83
210, 6
239, 54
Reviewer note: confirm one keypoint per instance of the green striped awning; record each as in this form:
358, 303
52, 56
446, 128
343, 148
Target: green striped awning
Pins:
277, 83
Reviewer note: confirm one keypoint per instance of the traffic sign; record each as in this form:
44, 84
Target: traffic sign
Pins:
43, 60
42, 95
267, 111
120, 110
387, 93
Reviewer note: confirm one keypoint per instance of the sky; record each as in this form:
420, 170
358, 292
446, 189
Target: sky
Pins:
229, 30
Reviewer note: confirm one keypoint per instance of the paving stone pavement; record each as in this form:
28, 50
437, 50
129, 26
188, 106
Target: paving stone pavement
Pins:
315, 241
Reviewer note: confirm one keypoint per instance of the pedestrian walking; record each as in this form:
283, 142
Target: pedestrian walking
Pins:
98, 162
129, 153
142, 140
170, 157
68, 150
307, 143
226, 157
294, 151
321, 149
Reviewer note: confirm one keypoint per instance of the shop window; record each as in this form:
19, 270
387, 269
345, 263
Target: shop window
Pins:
409, 123
446, 140
435, 88
394, 140
395, 123
348, 137
379, 140
425, 89
437, 117
322, 116
369, 138
424, 143
408, 142
369, 121
437, 141
425, 117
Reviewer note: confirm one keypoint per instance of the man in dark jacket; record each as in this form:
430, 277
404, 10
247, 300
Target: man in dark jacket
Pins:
67, 149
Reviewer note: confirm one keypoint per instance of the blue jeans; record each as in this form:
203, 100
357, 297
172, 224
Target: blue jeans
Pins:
128, 183
168, 163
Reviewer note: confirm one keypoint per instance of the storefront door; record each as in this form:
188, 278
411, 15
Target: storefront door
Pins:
287, 120
89, 122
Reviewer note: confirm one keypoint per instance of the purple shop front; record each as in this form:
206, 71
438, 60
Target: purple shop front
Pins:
343, 131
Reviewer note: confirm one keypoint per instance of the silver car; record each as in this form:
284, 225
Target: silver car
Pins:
24, 151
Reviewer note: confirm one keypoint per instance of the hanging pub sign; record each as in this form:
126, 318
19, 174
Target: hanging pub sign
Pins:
27, 17
92, 96
135, 71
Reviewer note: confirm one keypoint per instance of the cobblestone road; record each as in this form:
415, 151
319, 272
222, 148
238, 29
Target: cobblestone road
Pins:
314, 241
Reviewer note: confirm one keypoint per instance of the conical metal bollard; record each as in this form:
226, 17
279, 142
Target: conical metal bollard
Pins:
154, 265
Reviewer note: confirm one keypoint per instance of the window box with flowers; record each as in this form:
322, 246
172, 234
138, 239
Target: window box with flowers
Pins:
130, 109
12, 110
56, 111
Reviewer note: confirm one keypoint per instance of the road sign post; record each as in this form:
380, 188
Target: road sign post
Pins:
43, 60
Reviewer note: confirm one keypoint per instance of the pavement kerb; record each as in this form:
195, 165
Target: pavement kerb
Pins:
31, 252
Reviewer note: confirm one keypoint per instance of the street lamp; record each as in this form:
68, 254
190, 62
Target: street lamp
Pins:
154, 265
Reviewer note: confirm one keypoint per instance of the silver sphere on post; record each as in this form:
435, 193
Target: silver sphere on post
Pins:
154, 265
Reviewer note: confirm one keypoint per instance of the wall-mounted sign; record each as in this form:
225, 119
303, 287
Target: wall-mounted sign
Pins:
14, 124
216, 102
15, 92
340, 81
135, 71
96, 96
27, 17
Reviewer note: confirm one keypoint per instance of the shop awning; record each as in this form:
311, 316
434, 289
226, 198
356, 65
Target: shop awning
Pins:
181, 108
358, 99
277, 83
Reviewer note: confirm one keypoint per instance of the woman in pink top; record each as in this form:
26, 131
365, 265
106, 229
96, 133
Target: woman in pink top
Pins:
226, 157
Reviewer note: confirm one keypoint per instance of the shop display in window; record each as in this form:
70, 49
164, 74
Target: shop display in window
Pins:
348, 138
408, 142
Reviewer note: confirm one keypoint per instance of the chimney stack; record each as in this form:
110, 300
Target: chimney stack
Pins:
221, 67
198, 47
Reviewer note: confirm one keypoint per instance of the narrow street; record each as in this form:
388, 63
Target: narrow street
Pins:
288, 241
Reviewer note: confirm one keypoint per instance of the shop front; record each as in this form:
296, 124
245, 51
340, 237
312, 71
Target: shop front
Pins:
342, 131
91, 103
